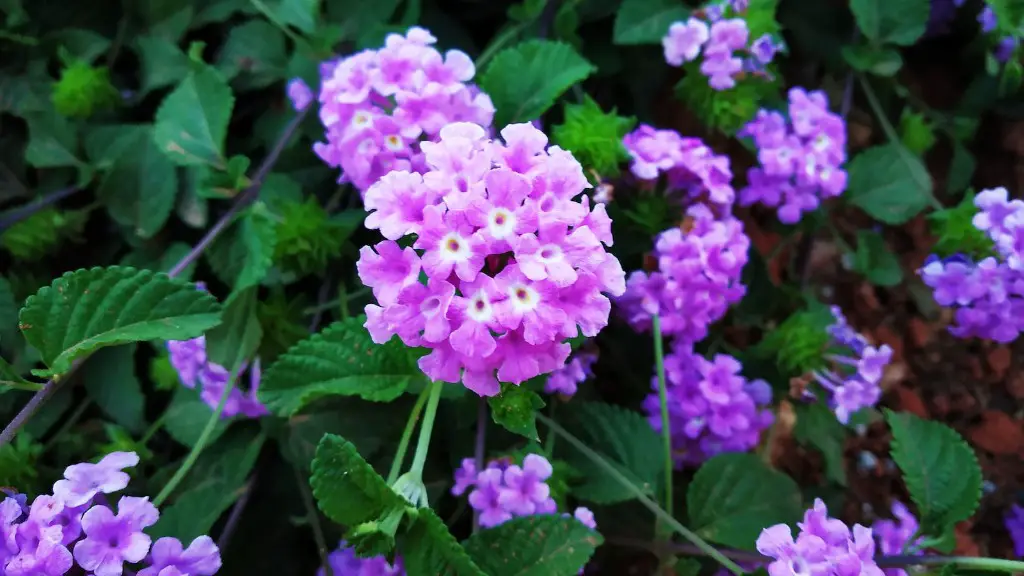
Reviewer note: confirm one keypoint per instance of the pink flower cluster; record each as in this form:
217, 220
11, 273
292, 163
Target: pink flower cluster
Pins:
801, 159
377, 105
513, 264
688, 164
565, 380
712, 407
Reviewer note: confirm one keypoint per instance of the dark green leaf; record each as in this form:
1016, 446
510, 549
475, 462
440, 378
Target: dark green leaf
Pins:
163, 62
347, 489
110, 382
243, 255
515, 408
53, 143
875, 261
889, 183
646, 21
141, 187
428, 549
235, 340
882, 61
541, 545
256, 50
299, 13
192, 121
893, 21
817, 426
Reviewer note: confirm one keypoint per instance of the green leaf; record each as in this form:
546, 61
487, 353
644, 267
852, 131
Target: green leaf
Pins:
916, 132
889, 183
540, 545
961, 169
8, 315
875, 261
355, 420
954, 225
891, 21
236, 339
110, 382
429, 549
525, 80
594, 137
187, 415
939, 468
646, 21
163, 62
883, 61
515, 408
142, 185
192, 121
626, 440
255, 49
53, 143
302, 14
341, 360
817, 426
92, 308
347, 489
243, 255
82, 44
734, 496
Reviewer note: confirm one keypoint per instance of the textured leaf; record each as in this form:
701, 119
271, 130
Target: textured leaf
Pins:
889, 183
626, 440
256, 50
875, 261
646, 21
91, 308
142, 185
939, 468
236, 339
110, 382
734, 496
593, 136
429, 549
515, 408
53, 143
192, 121
341, 360
299, 13
355, 420
347, 489
187, 415
895, 21
163, 62
525, 80
817, 426
243, 255
540, 545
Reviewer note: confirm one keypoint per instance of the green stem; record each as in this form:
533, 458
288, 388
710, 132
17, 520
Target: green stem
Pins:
662, 515
204, 437
270, 15
549, 442
993, 564
666, 431
21, 385
423, 444
153, 429
403, 444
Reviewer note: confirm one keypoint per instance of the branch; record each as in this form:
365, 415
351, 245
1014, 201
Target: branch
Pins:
20, 213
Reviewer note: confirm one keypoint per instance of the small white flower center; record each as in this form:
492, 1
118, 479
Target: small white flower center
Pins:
550, 253
822, 143
479, 309
365, 146
360, 119
394, 143
454, 247
523, 298
430, 306
501, 223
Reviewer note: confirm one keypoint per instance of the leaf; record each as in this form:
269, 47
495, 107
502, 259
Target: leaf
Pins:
889, 183
593, 136
817, 426
82, 44
541, 545
53, 143
961, 169
255, 49
347, 489
957, 234
142, 185
243, 255
734, 496
429, 549
355, 420
341, 360
646, 21
187, 415
515, 409
939, 468
110, 382
626, 440
92, 308
875, 261
236, 339
525, 80
192, 121
8, 315
883, 61
899, 22
302, 14
163, 62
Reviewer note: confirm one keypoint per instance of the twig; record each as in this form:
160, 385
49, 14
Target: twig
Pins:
22, 212
236, 514
478, 449
547, 18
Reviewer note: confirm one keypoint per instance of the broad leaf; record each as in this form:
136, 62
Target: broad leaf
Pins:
525, 80
163, 62
894, 21
110, 382
187, 415
515, 408
539, 545
192, 121
875, 261
428, 549
734, 496
255, 50
91, 308
8, 315
53, 143
889, 183
302, 14
817, 426
347, 489
142, 185
236, 339
341, 360
646, 21
242, 255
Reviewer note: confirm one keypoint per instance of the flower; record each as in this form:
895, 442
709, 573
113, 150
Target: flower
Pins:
84, 481
853, 380
300, 94
344, 562
689, 165
894, 535
514, 264
111, 540
1014, 521
188, 357
201, 558
567, 378
502, 490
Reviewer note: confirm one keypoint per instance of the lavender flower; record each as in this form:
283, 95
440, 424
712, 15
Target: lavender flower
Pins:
201, 558
1014, 521
111, 540
894, 535
854, 377
84, 481
300, 94
344, 562
188, 357
576, 371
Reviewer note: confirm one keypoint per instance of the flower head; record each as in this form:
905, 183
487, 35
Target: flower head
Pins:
188, 357
724, 43
344, 562
111, 540
576, 371
201, 558
84, 481
893, 535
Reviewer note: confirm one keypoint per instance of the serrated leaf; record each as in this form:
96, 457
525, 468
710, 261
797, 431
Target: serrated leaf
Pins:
256, 50
626, 440
899, 22
525, 80
110, 382
593, 136
341, 360
875, 261
889, 183
646, 21
192, 121
92, 308
142, 185
355, 420
243, 255
734, 496
236, 339
429, 549
954, 225
515, 409
187, 415
941, 471
817, 426
347, 489
542, 545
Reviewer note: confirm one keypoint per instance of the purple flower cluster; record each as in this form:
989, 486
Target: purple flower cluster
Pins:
376, 106
724, 44
576, 371
513, 264
344, 562
689, 165
712, 407
988, 295
188, 357
502, 490
1014, 521
75, 525
894, 535
801, 160
853, 378
824, 546
300, 94
988, 22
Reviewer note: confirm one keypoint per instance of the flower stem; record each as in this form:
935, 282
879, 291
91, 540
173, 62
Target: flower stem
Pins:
403, 444
666, 431
423, 444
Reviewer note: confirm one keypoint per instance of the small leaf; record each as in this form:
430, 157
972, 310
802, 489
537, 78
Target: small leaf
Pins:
593, 136
236, 339
347, 489
882, 61
53, 143
875, 261
110, 382
525, 80
646, 21
889, 183
192, 121
302, 14
142, 185
891, 21
734, 496
429, 549
916, 132
163, 62
243, 255
255, 50
187, 415
939, 468
541, 545
961, 169
92, 308
515, 408
341, 360
817, 426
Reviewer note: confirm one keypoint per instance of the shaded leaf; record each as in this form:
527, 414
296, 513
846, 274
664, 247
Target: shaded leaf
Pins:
539, 545
192, 121
889, 183
187, 415
142, 185
347, 489
236, 339
428, 549
110, 382
646, 21
515, 409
